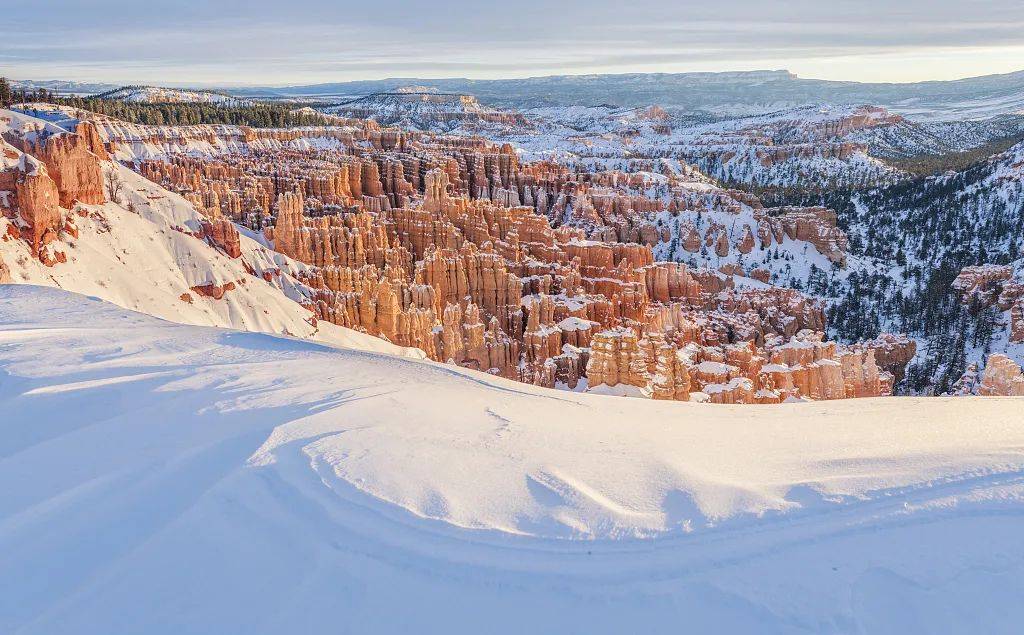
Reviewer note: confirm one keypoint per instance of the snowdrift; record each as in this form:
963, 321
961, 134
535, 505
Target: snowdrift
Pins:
164, 478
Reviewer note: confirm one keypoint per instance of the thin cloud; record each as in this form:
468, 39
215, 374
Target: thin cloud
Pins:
304, 41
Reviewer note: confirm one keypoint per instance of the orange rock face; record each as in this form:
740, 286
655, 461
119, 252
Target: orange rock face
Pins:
535, 272
38, 204
817, 226
93, 142
215, 291
223, 234
1002, 378
616, 358
1017, 322
983, 283
5, 273
994, 285
892, 353
73, 167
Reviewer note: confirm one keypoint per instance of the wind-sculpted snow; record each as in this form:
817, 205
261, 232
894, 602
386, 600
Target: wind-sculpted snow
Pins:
163, 478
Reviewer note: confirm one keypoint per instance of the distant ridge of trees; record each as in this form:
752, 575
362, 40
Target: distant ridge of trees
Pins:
256, 114
113, 92
929, 164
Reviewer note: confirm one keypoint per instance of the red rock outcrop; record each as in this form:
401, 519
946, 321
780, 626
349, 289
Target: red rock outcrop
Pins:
214, 291
73, 167
994, 285
983, 283
816, 225
1017, 322
892, 353
615, 358
38, 204
5, 273
87, 130
1002, 378
223, 234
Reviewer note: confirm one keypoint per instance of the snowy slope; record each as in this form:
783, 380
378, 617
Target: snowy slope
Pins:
141, 142
143, 254
168, 479
936, 226
909, 138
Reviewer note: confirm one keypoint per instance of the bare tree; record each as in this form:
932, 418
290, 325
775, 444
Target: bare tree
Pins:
115, 186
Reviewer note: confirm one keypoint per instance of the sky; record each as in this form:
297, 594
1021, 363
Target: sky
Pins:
288, 42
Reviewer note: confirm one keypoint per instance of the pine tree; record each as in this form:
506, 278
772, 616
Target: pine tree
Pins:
6, 95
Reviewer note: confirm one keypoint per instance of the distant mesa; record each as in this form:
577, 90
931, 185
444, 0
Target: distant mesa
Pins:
160, 95
425, 110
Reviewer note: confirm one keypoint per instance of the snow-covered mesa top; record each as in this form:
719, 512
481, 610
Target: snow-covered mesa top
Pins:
160, 95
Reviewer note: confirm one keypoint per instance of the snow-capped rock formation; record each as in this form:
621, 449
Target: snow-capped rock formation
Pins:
808, 147
812, 146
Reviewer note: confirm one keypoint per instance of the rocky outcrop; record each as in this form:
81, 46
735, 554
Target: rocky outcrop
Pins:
1017, 322
87, 130
668, 376
816, 225
983, 283
73, 167
892, 353
5, 273
988, 285
223, 234
615, 358
213, 290
1002, 378
426, 110
804, 366
38, 204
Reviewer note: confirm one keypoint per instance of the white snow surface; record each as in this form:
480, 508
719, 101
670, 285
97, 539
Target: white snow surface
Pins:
163, 478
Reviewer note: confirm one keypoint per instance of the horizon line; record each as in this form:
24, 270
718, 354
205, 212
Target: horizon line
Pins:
217, 84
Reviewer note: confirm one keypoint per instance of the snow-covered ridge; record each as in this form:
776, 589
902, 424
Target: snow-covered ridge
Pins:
593, 476
159, 95
131, 141
304, 479
432, 111
728, 93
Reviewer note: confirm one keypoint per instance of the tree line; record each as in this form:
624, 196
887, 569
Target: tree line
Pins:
256, 115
